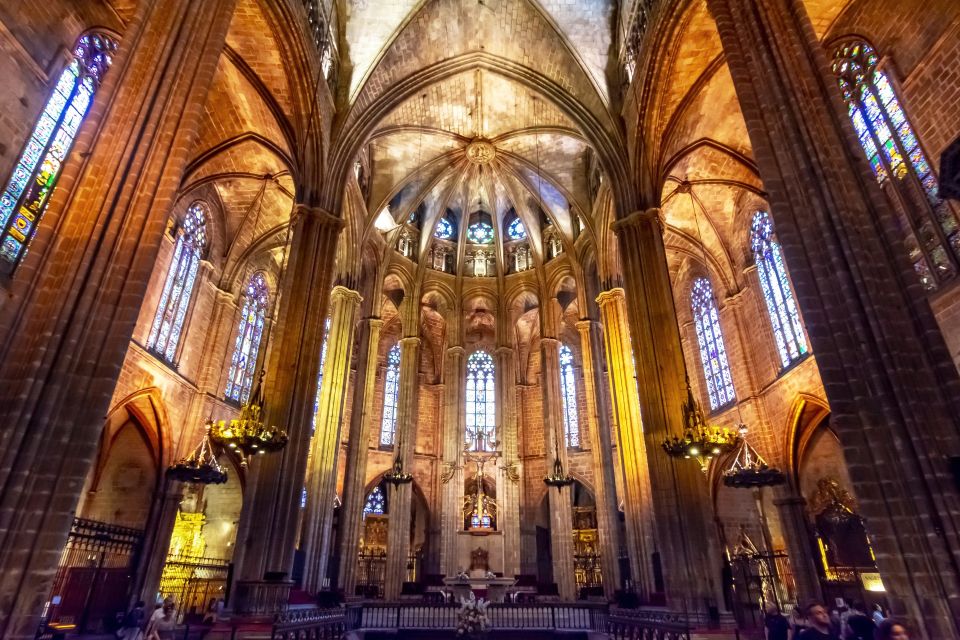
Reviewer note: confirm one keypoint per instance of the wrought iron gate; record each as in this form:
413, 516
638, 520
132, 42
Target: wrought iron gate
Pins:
370, 573
194, 582
95, 575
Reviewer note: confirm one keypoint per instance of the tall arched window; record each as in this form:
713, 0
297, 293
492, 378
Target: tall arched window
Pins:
243, 364
175, 299
568, 391
481, 409
781, 305
391, 387
716, 369
928, 223
25, 196
376, 503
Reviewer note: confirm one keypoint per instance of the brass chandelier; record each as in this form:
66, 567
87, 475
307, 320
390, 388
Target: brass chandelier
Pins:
200, 467
247, 434
749, 470
699, 440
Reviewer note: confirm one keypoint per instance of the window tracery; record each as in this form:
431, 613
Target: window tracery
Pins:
26, 194
178, 288
568, 391
481, 407
246, 349
480, 233
376, 503
391, 388
516, 230
713, 355
777, 292
444, 229
928, 223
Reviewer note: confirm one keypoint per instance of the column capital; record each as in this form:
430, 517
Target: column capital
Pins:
374, 322
606, 297
456, 350
504, 350
636, 218
584, 326
341, 292
409, 341
319, 214
548, 340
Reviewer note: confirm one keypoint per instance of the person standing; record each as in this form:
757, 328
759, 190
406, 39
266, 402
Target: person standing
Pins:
877, 615
818, 619
162, 622
776, 626
892, 630
858, 626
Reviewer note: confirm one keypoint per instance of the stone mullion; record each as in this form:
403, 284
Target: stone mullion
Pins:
686, 541
601, 449
354, 485
561, 505
74, 302
451, 514
621, 375
508, 497
321, 479
270, 521
892, 387
401, 496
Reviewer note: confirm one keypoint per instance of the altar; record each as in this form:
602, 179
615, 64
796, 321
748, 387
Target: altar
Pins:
493, 589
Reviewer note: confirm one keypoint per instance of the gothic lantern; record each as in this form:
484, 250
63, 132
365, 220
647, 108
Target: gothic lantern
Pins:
247, 434
200, 467
749, 470
699, 440
558, 478
396, 475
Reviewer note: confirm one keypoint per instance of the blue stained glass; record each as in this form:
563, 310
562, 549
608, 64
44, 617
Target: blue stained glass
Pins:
167, 324
480, 233
568, 392
883, 88
516, 231
323, 361
906, 135
713, 356
896, 114
871, 106
444, 229
246, 348
7, 202
858, 123
481, 402
391, 390
777, 292
376, 503
60, 119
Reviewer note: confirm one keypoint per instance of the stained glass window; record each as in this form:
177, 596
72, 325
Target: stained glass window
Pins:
25, 197
376, 503
481, 409
900, 165
391, 387
323, 361
568, 391
247, 346
781, 305
516, 231
444, 229
716, 369
480, 233
178, 287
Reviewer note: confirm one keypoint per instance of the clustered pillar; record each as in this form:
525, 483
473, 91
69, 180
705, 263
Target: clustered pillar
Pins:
451, 473
321, 479
508, 487
72, 308
355, 473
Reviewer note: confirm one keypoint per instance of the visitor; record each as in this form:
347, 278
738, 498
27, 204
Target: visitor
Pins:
214, 609
162, 622
776, 625
858, 625
877, 616
891, 630
132, 626
797, 620
818, 619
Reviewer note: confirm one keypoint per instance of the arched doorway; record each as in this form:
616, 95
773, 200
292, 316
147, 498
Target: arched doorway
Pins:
587, 570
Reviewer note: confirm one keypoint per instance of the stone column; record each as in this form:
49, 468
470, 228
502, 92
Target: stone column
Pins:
451, 474
160, 529
791, 508
686, 539
561, 501
622, 378
401, 496
269, 523
321, 480
893, 390
601, 447
72, 305
508, 496
355, 474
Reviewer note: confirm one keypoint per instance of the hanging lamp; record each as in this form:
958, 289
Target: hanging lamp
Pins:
247, 434
699, 440
200, 467
749, 470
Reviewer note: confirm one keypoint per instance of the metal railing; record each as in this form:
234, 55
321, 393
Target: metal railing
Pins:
626, 624
316, 624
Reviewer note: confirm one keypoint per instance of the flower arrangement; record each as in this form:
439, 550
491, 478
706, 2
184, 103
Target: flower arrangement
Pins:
472, 621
